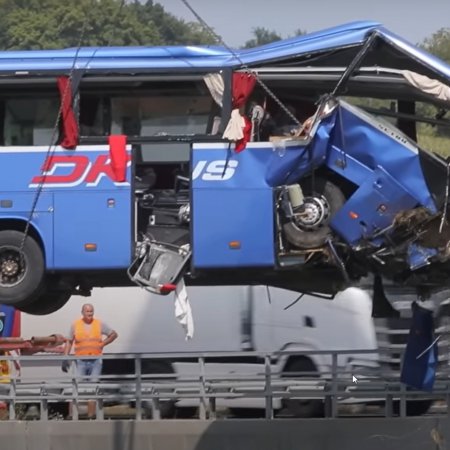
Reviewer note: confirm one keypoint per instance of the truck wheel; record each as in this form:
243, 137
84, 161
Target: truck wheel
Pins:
166, 407
248, 413
186, 412
413, 407
21, 272
311, 229
48, 302
308, 407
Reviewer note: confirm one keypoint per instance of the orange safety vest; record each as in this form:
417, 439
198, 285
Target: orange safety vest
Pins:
88, 339
5, 371
6, 368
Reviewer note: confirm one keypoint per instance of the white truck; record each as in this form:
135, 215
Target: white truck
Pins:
226, 319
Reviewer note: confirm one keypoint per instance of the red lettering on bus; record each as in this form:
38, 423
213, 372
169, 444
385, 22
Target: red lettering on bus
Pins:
79, 164
101, 166
81, 170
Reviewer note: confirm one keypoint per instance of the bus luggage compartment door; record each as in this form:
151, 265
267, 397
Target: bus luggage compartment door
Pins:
232, 208
93, 229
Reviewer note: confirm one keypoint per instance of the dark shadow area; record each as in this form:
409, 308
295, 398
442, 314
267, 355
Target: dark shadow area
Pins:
319, 434
124, 435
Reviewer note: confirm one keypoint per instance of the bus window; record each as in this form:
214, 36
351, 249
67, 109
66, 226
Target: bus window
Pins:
147, 108
29, 121
159, 115
92, 116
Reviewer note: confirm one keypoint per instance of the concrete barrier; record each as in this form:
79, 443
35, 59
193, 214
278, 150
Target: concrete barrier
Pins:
284, 434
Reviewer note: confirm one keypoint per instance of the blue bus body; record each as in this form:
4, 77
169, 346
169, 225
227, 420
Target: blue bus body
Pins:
355, 195
80, 200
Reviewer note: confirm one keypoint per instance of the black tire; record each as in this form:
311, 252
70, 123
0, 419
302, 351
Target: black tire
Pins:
308, 407
46, 303
413, 407
316, 235
29, 284
248, 413
187, 412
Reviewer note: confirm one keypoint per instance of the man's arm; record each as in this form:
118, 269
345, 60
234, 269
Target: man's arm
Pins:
65, 365
110, 334
69, 342
68, 346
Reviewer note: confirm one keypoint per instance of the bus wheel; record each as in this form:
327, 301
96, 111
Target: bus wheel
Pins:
303, 408
311, 227
48, 302
21, 271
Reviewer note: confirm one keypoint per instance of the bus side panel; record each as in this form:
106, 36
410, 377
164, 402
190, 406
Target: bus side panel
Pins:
102, 218
232, 208
225, 216
17, 206
9, 321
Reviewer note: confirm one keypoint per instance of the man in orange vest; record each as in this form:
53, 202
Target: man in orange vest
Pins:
86, 334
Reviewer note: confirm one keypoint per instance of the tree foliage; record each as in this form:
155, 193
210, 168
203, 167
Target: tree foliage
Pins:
439, 44
264, 36
46, 24
261, 36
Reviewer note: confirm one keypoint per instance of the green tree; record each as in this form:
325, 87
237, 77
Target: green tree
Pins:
439, 44
298, 32
264, 36
47, 24
261, 36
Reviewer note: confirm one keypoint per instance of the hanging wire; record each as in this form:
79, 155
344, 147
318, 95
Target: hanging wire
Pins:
52, 147
244, 66
295, 301
269, 297
444, 212
428, 348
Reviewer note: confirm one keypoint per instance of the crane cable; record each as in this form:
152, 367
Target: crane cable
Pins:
244, 66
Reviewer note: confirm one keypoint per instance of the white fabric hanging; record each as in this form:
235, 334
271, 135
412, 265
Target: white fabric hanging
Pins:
215, 84
183, 311
428, 85
234, 130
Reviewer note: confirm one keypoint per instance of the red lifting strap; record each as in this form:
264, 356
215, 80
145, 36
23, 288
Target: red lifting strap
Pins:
118, 154
70, 126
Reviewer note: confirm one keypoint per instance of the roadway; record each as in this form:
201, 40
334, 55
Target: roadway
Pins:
424, 433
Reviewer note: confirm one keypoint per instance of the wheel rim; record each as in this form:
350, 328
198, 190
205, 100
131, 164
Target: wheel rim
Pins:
312, 214
13, 266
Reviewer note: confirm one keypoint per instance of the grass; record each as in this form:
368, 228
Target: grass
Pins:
435, 144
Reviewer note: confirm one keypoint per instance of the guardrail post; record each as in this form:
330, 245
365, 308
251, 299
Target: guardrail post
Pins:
156, 408
138, 373
212, 408
75, 404
402, 400
12, 399
99, 411
334, 384
202, 407
388, 406
447, 387
43, 413
268, 387
327, 400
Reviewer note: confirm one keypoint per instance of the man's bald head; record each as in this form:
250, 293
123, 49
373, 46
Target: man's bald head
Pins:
87, 311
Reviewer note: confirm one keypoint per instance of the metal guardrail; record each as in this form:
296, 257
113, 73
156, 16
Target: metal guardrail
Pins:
152, 392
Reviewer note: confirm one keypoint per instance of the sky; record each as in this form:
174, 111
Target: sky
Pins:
234, 20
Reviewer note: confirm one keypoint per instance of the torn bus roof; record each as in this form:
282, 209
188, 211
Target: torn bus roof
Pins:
334, 46
338, 50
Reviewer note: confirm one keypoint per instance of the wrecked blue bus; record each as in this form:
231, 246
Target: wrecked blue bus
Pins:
295, 164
